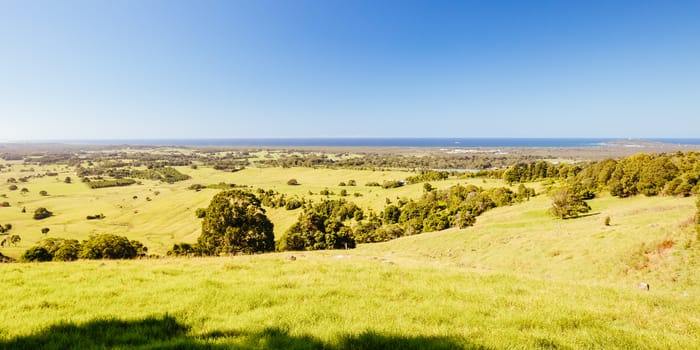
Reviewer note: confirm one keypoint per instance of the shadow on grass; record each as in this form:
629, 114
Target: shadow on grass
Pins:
167, 333
581, 216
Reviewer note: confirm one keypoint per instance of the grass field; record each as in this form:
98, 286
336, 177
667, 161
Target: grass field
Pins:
517, 279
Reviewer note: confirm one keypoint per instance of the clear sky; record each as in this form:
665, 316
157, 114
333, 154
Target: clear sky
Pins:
328, 68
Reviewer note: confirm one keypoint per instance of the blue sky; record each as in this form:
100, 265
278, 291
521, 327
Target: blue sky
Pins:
327, 68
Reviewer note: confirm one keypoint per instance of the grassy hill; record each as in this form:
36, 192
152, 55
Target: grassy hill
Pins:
517, 279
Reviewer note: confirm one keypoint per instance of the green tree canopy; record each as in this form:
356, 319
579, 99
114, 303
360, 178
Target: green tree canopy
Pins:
566, 202
235, 223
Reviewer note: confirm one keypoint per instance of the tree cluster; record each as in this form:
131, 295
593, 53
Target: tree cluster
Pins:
323, 226
103, 246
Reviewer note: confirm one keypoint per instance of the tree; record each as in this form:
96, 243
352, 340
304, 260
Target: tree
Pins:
567, 203
41, 213
108, 246
235, 223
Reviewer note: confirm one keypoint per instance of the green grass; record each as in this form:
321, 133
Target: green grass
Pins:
332, 299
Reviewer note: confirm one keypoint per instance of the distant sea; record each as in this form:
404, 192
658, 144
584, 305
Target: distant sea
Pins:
379, 142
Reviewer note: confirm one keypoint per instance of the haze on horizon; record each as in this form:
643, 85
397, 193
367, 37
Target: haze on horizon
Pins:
279, 69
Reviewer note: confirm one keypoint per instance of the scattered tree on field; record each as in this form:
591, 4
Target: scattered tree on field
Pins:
567, 203
235, 223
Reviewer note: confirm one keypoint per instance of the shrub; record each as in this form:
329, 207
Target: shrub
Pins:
607, 221
184, 249
567, 203
36, 254
43, 193
4, 204
96, 217
200, 213
13, 188
45, 230
292, 182
109, 246
41, 213
67, 180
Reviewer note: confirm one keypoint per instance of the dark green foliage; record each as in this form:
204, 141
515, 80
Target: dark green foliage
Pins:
321, 226
428, 176
58, 249
391, 214
292, 182
235, 223
68, 180
41, 213
392, 184
184, 249
110, 183
566, 203
36, 254
200, 213
109, 246
293, 203
5, 259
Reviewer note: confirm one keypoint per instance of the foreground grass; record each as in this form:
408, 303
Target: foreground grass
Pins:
324, 300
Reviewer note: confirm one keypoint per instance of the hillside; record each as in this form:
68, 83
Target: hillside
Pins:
517, 279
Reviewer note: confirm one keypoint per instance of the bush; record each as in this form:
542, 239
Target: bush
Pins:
607, 221
96, 217
567, 203
36, 254
4, 204
200, 213
109, 246
292, 182
43, 193
41, 213
184, 249
13, 188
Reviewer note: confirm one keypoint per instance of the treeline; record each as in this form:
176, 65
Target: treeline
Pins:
457, 206
674, 174
103, 246
393, 161
109, 183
